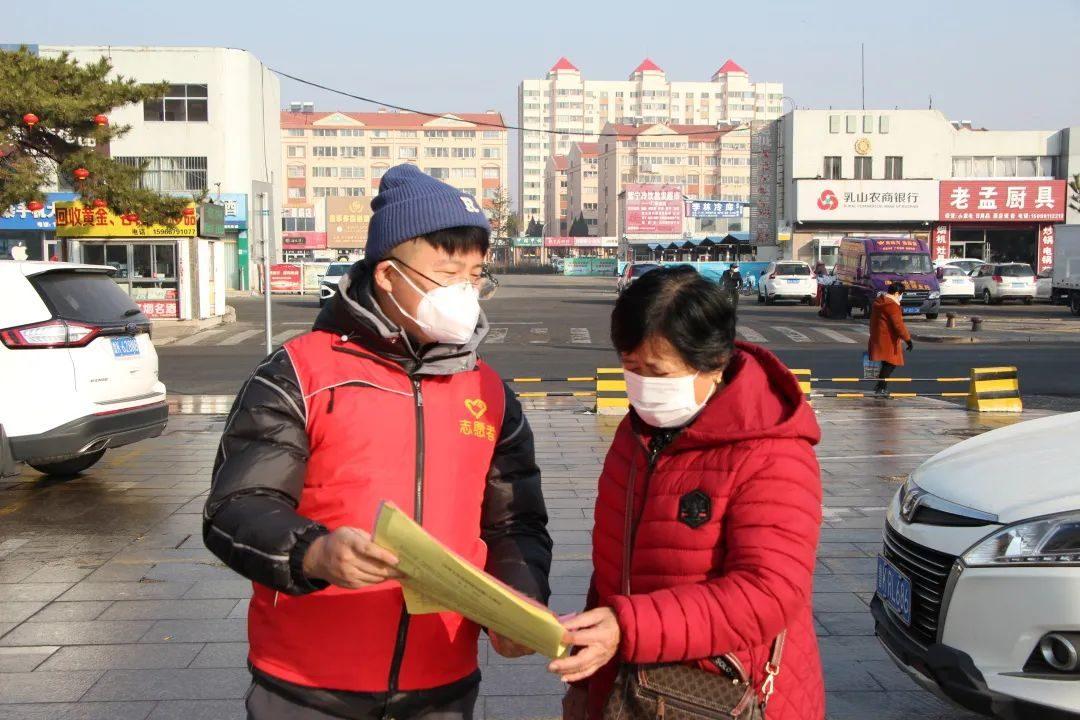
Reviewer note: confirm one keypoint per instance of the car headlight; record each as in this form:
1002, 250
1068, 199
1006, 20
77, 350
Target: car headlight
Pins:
1050, 540
935, 294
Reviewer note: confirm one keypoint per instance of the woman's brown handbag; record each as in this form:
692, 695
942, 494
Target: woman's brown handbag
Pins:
685, 692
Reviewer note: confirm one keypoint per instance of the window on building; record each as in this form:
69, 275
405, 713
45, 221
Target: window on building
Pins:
894, 167
353, 192
436, 133
1006, 167
182, 103
298, 224
982, 166
834, 124
297, 193
439, 173
831, 171
352, 132
295, 132
864, 168
380, 133
380, 151
352, 151
324, 151
295, 151
868, 123
883, 125
491, 153
296, 171
407, 153
459, 173
436, 152
852, 123
961, 167
407, 133
324, 132
491, 173
492, 134
325, 172
326, 192
1047, 166
463, 152
378, 172
352, 172
170, 174
1027, 166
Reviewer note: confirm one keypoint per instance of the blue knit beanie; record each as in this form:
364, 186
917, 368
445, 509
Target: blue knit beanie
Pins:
411, 203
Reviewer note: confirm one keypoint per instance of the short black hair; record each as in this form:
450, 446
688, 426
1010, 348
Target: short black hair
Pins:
460, 240
676, 303
896, 287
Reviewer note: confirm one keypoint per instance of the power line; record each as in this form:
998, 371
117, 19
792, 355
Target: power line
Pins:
500, 126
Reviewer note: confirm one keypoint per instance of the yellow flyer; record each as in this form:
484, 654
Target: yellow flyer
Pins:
438, 580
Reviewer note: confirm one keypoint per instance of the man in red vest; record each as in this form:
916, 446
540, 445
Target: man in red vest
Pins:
385, 400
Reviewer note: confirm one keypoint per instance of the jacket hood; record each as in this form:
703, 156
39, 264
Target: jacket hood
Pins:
355, 313
760, 399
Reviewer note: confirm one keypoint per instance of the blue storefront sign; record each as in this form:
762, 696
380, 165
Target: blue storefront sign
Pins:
713, 209
18, 217
236, 210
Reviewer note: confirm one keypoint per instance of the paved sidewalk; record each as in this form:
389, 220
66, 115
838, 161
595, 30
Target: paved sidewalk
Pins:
111, 608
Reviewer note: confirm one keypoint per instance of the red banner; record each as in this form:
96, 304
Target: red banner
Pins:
285, 278
653, 209
159, 308
1002, 200
303, 240
939, 243
1045, 261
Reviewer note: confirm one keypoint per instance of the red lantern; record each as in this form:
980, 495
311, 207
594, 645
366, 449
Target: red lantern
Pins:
98, 203
189, 211
131, 217
81, 174
34, 206
101, 120
30, 119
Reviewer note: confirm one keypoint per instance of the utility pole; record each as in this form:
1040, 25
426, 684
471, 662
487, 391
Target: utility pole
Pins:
265, 212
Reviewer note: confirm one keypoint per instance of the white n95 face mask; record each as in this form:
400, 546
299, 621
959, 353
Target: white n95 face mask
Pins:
447, 314
664, 402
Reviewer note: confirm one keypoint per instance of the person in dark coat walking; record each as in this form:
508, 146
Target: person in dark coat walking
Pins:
731, 280
887, 332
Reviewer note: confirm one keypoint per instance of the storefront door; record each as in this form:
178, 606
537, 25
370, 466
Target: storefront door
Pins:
968, 243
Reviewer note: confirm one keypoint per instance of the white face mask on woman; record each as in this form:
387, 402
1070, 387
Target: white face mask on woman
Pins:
447, 314
664, 402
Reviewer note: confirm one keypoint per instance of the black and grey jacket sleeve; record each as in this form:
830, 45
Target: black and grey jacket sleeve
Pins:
250, 520
514, 518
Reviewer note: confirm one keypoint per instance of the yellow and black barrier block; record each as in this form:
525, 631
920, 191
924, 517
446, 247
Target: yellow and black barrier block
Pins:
805, 381
611, 398
995, 389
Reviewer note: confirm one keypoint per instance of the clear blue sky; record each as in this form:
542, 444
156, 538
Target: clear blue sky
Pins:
1003, 64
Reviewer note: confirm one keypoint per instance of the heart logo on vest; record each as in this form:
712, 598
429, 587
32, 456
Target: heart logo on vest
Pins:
476, 408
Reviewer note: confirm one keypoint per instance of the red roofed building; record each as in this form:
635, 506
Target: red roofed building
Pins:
568, 108
583, 185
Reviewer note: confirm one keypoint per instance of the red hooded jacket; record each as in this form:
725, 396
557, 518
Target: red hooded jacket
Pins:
724, 570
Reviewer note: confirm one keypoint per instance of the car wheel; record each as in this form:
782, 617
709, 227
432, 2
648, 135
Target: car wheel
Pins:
987, 297
865, 307
67, 468
1029, 301
931, 316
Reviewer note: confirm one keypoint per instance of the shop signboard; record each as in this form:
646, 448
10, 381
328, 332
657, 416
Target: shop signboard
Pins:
763, 168
211, 221
590, 266
527, 241
1003, 200
939, 243
866, 200
653, 209
19, 217
347, 222
285, 278
303, 240
75, 220
236, 210
1045, 260
158, 302
581, 242
713, 209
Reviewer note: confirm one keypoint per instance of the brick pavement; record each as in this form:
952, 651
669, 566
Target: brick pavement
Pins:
110, 607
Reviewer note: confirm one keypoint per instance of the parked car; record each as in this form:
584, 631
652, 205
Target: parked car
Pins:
1066, 282
787, 280
328, 281
631, 273
955, 284
866, 266
80, 373
979, 576
968, 265
997, 282
1044, 289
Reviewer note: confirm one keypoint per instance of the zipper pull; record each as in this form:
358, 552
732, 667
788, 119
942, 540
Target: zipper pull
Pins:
419, 395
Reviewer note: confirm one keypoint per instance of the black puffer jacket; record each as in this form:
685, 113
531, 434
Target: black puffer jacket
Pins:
250, 519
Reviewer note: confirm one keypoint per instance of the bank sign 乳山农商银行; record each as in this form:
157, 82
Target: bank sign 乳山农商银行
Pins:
866, 200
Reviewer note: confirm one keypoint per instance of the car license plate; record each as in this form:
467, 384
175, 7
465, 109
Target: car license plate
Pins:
793, 281
911, 310
125, 346
894, 588
1019, 285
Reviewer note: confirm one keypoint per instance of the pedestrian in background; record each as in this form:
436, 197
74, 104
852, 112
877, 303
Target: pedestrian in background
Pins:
706, 522
384, 400
731, 280
887, 332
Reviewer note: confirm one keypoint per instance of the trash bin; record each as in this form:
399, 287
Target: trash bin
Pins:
837, 301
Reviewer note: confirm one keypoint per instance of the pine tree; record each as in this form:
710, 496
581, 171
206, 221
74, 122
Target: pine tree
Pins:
513, 225
51, 126
579, 228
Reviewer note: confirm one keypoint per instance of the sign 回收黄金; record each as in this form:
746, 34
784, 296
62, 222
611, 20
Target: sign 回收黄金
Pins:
75, 220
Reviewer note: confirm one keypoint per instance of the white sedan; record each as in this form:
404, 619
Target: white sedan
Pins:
788, 280
955, 284
979, 576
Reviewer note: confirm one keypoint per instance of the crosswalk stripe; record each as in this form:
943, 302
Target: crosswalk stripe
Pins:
496, 335
580, 336
541, 334
833, 335
240, 337
281, 337
198, 338
751, 335
792, 334
861, 329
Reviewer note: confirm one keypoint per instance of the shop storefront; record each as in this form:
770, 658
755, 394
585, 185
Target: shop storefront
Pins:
999, 220
528, 250
34, 231
302, 246
169, 271
347, 222
237, 253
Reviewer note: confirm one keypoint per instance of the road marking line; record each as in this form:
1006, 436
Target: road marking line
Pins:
861, 329
580, 336
751, 335
792, 334
198, 337
833, 335
281, 337
240, 337
531, 322
496, 335
541, 333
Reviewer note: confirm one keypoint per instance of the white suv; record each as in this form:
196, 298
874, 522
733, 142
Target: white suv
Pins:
997, 282
978, 585
79, 373
787, 280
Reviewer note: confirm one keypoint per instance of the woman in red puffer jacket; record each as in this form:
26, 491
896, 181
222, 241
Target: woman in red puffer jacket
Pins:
714, 477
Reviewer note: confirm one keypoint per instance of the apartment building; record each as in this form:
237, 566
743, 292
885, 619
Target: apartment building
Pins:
703, 161
577, 109
345, 154
582, 185
555, 220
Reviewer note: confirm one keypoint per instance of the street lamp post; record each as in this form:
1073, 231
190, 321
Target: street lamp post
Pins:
265, 213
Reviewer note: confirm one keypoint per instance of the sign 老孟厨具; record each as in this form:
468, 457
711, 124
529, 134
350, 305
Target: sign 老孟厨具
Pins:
1002, 200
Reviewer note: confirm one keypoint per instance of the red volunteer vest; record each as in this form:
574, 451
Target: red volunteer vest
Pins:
372, 430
